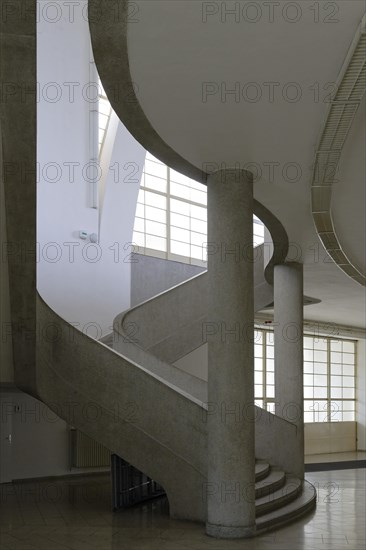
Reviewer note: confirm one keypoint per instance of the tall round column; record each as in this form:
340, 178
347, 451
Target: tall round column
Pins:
288, 349
230, 490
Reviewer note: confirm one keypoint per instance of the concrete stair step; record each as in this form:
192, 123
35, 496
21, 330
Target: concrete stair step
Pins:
275, 499
262, 470
273, 481
298, 507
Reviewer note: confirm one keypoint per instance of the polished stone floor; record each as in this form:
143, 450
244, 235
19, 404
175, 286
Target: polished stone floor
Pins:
75, 514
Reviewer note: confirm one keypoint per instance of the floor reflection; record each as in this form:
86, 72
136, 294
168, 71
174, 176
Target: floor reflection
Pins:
76, 514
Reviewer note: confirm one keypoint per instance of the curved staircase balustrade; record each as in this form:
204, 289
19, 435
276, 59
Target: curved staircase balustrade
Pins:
154, 425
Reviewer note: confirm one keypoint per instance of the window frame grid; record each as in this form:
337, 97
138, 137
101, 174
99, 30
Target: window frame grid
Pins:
329, 400
329, 412
168, 254
265, 399
102, 98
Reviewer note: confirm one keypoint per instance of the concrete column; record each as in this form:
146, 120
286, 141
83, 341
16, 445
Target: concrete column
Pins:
230, 490
288, 349
18, 123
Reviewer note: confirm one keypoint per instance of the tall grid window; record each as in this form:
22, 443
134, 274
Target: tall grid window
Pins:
329, 380
171, 223
264, 389
329, 377
104, 114
171, 215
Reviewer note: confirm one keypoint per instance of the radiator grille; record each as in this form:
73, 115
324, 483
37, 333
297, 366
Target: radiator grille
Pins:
87, 453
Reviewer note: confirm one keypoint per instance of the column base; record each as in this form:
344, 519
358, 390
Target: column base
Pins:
229, 531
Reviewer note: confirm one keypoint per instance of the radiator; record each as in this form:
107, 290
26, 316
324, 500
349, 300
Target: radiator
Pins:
87, 453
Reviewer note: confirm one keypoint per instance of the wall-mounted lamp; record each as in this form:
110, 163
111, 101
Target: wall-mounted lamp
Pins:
93, 237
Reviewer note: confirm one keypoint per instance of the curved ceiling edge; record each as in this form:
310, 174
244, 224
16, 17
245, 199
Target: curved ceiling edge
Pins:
110, 50
351, 87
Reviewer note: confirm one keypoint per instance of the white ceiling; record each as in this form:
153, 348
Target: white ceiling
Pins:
173, 53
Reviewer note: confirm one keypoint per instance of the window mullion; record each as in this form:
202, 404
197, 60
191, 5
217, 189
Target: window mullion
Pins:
150, 190
264, 368
168, 250
188, 201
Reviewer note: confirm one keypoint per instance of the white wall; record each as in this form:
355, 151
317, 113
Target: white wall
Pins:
361, 395
40, 440
116, 226
81, 291
91, 285
330, 437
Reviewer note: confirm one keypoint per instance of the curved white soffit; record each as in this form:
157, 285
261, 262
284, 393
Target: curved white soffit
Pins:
351, 87
109, 41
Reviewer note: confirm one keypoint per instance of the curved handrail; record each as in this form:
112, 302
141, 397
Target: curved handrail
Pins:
279, 238
169, 429
109, 40
169, 336
112, 61
73, 369
188, 332
139, 415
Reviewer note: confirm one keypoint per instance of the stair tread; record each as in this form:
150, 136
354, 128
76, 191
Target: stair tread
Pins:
291, 485
261, 468
280, 497
270, 483
296, 507
274, 475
